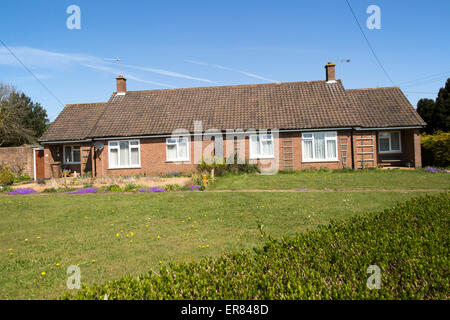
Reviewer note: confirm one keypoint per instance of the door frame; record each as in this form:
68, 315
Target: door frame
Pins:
34, 160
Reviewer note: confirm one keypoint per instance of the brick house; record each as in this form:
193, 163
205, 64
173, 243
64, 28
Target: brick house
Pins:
282, 126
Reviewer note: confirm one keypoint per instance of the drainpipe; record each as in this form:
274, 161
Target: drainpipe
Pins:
353, 154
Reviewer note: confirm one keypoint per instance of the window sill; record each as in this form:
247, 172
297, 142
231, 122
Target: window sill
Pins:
319, 161
262, 158
178, 161
389, 152
120, 168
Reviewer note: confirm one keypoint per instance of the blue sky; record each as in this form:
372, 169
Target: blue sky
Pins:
176, 44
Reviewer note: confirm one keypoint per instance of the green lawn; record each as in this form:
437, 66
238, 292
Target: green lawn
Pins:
370, 179
82, 229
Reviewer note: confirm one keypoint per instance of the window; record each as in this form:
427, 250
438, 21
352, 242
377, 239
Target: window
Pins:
177, 149
319, 146
389, 141
261, 146
124, 154
72, 154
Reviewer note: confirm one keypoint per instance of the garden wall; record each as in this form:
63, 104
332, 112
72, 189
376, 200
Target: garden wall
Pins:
18, 159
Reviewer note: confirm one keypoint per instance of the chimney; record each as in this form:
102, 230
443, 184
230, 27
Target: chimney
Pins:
330, 72
121, 85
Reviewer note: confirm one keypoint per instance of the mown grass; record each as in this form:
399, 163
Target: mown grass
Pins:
407, 244
168, 227
363, 179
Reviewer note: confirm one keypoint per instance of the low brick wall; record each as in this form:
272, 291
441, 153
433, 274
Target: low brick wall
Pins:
18, 159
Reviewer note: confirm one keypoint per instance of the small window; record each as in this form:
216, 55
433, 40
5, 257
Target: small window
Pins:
389, 141
319, 146
124, 154
261, 146
72, 154
177, 149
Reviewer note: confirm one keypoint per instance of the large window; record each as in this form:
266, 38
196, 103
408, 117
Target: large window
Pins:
319, 146
389, 141
261, 146
72, 154
177, 149
124, 154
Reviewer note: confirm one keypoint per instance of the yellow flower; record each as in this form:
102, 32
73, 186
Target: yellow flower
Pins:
146, 225
121, 230
131, 234
43, 273
117, 234
158, 237
10, 249
11, 253
38, 237
207, 245
85, 217
26, 239
196, 230
131, 241
57, 264
78, 264
93, 261
160, 261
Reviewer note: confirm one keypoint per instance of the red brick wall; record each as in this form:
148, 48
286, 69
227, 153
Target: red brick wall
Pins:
18, 159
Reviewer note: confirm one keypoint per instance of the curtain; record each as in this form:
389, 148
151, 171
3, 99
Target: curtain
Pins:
182, 148
124, 153
319, 145
331, 149
113, 157
395, 140
307, 149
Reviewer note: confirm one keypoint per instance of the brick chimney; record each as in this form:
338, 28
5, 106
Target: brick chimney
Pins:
330, 72
121, 85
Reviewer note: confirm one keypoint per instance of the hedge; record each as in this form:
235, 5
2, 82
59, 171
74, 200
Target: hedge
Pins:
409, 243
436, 149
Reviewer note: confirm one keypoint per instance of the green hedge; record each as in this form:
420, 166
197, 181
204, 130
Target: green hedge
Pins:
436, 149
409, 242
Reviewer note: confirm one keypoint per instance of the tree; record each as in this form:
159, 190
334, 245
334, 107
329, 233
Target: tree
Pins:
436, 113
21, 120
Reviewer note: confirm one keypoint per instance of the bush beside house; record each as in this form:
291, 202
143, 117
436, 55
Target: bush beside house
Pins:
436, 149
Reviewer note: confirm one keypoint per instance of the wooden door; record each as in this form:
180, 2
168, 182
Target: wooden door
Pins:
39, 156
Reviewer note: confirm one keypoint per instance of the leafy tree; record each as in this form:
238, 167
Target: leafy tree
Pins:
21, 120
436, 113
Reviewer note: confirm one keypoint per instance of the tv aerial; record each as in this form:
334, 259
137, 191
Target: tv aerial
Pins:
340, 62
118, 60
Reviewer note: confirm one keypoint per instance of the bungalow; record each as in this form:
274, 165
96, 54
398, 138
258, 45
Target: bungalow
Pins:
280, 126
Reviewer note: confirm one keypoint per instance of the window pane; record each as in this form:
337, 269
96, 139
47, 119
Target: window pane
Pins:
267, 148
171, 141
319, 145
113, 157
307, 149
331, 149
134, 143
135, 156
254, 146
113, 144
395, 140
67, 154
307, 135
124, 153
384, 144
182, 149
76, 154
171, 152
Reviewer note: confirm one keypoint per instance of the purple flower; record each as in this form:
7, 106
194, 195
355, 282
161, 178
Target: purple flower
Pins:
157, 189
302, 189
83, 191
432, 169
195, 187
143, 190
21, 191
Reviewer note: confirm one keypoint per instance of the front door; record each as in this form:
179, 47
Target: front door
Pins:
39, 156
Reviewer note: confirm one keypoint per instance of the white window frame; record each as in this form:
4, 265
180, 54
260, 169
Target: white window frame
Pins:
71, 154
176, 143
326, 159
390, 142
261, 137
120, 166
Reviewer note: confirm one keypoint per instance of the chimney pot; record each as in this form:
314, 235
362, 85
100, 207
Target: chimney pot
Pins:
330, 72
121, 85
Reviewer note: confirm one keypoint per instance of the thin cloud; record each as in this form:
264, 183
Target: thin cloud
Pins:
167, 73
127, 75
249, 74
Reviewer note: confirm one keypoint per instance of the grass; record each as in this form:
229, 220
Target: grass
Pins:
175, 227
370, 179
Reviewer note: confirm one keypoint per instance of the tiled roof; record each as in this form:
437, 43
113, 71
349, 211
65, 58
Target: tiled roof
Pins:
75, 122
291, 105
384, 107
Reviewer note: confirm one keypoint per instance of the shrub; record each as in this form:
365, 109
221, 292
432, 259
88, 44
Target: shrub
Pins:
22, 178
6, 176
132, 187
436, 149
408, 242
227, 166
5, 189
113, 188
173, 187
50, 190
